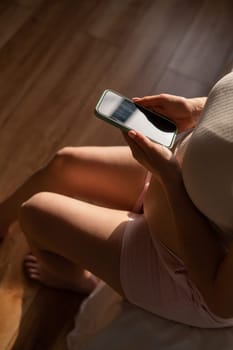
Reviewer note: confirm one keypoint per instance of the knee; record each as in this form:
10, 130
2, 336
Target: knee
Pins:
68, 159
63, 158
60, 162
31, 214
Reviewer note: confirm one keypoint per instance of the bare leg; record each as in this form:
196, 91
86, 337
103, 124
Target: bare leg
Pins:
108, 176
69, 236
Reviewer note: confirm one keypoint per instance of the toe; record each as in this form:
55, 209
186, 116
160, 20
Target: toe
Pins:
32, 267
32, 271
29, 264
30, 258
34, 276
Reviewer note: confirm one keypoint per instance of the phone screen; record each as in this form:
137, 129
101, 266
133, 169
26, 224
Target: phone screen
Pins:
126, 114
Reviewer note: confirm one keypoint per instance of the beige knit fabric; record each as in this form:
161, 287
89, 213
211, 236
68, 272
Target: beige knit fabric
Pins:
208, 160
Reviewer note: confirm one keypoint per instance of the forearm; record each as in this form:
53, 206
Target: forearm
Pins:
195, 237
208, 264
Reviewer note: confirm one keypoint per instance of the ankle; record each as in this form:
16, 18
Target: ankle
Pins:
5, 220
7, 215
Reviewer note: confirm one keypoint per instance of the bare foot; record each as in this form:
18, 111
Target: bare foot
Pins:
36, 271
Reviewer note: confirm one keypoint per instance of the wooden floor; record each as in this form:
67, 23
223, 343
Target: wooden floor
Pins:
56, 57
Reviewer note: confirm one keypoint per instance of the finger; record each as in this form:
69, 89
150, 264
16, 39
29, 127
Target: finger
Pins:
141, 140
147, 146
137, 152
135, 147
149, 100
144, 143
141, 146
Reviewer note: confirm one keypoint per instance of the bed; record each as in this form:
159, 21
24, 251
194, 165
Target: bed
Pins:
105, 321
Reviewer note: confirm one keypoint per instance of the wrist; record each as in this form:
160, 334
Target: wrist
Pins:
198, 104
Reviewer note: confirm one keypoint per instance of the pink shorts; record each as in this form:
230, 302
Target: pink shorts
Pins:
156, 280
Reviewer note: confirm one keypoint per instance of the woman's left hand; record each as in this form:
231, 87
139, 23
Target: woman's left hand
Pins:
158, 159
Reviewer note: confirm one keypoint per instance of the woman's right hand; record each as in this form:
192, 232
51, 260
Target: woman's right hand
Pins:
183, 111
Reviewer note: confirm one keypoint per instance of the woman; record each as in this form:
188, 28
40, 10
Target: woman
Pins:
129, 221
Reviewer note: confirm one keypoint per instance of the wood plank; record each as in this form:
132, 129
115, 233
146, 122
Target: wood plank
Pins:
116, 22
11, 285
4, 5
207, 43
144, 58
54, 99
24, 51
54, 81
29, 3
12, 17
44, 330
174, 82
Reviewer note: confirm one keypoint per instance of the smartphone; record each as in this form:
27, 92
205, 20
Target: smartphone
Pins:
123, 113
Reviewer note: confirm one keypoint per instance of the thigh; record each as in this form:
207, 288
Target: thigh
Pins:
107, 176
83, 233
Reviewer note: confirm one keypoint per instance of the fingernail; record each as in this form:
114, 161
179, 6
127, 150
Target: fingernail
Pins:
132, 134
